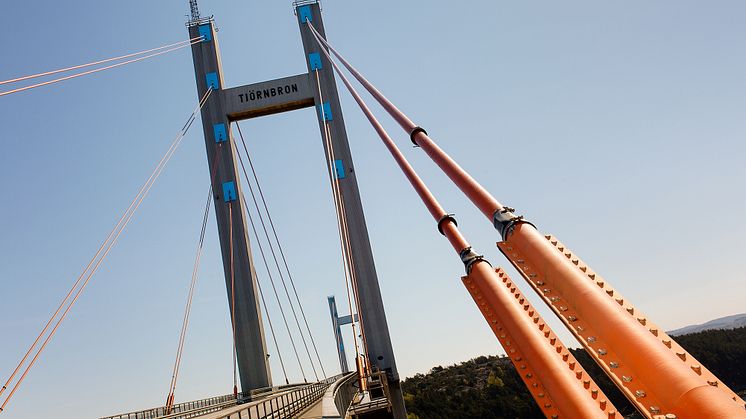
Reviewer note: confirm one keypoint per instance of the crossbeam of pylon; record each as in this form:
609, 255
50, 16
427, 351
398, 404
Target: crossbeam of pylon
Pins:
557, 382
660, 373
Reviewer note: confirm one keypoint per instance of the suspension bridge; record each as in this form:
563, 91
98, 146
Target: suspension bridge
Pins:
658, 377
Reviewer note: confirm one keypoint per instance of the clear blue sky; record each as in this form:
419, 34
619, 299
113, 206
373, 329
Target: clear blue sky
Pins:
617, 127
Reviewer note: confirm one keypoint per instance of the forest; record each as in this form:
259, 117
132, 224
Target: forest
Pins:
488, 386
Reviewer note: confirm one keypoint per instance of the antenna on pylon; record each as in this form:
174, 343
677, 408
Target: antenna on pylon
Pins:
194, 9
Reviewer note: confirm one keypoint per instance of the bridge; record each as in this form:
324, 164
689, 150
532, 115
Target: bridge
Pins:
658, 377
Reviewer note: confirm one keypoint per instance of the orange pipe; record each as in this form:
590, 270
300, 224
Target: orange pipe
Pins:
565, 390
558, 378
682, 392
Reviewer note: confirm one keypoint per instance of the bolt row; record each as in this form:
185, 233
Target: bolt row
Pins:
669, 343
580, 374
601, 354
527, 374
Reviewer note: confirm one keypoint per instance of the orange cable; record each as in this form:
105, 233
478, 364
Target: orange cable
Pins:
188, 308
96, 70
233, 297
118, 228
76, 67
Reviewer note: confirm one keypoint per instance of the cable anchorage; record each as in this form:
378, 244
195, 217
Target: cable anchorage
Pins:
469, 257
416, 130
445, 218
505, 221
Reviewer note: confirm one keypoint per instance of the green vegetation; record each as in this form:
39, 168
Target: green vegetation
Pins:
489, 387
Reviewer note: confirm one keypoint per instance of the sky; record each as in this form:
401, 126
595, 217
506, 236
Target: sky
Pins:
617, 127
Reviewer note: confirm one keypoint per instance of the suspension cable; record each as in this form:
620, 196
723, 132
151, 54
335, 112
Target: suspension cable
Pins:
76, 67
274, 255
233, 298
346, 251
282, 253
96, 70
571, 398
272, 330
187, 310
99, 257
486, 203
274, 288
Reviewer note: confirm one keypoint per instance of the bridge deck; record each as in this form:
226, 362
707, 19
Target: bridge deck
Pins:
313, 412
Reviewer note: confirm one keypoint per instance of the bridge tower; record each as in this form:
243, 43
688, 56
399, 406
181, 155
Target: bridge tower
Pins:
227, 105
337, 323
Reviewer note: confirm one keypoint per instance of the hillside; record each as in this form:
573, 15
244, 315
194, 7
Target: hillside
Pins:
488, 386
730, 322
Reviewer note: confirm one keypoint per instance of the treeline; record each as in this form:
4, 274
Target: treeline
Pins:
489, 387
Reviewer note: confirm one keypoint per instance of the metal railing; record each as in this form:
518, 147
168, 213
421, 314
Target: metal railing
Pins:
285, 405
295, 398
185, 407
344, 392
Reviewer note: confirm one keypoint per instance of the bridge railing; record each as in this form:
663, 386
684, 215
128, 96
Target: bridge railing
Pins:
285, 405
344, 392
293, 396
185, 407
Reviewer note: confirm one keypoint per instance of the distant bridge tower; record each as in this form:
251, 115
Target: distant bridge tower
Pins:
337, 323
227, 105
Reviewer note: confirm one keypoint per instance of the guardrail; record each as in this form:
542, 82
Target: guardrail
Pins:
299, 393
344, 392
285, 405
186, 407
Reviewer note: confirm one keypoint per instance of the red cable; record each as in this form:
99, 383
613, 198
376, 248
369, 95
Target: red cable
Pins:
108, 244
188, 308
96, 70
458, 242
121, 57
470, 187
233, 297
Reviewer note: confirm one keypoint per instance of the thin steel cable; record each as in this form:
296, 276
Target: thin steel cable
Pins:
274, 257
353, 270
185, 323
233, 298
346, 257
343, 249
345, 228
108, 245
279, 246
77, 67
266, 312
272, 330
95, 256
96, 70
188, 308
482, 199
272, 282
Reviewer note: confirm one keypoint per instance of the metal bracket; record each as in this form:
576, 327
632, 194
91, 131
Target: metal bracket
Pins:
206, 32
447, 217
314, 60
470, 257
229, 191
212, 80
220, 133
505, 221
414, 132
